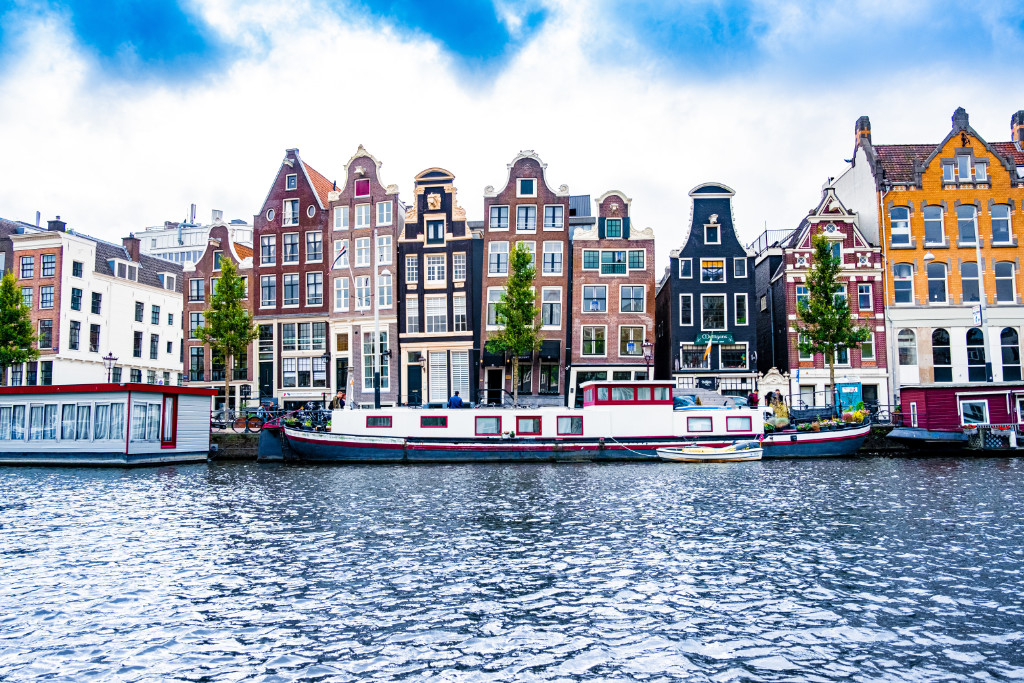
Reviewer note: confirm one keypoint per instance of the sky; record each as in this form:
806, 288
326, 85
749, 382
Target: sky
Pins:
119, 114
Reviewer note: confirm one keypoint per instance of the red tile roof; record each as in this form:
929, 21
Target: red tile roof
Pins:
242, 250
1008, 149
898, 160
320, 184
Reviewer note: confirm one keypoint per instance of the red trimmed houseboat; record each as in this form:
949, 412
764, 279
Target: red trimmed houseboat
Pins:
981, 416
104, 424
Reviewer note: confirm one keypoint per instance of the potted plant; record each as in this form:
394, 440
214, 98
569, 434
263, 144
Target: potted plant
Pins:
970, 429
815, 426
768, 427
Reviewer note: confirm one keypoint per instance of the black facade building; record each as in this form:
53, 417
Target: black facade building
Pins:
705, 333
439, 280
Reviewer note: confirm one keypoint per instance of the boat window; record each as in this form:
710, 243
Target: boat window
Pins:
913, 415
84, 420
643, 393
116, 421
602, 393
488, 426
698, 424
622, 393
101, 422
167, 439
434, 421
661, 394
528, 425
43, 422
974, 412
378, 421
737, 424
67, 421
12, 423
571, 424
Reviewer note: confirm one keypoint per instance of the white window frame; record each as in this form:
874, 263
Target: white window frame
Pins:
289, 219
384, 251
459, 268
683, 323
870, 294
311, 274
526, 207
735, 309
459, 306
298, 250
1009, 223
871, 356
681, 262
561, 221
306, 245
492, 249
551, 247
640, 345
491, 218
737, 261
291, 181
338, 244
799, 353
746, 353
903, 231
412, 313
385, 289
945, 283
341, 218
643, 299
942, 225
439, 314
543, 292
265, 304
583, 299
519, 187
412, 269
437, 262
363, 283
341, 294
960, 408
903, 279
594, 355
718, 231
493, 296
723, 261
384, 213
298, 284
364, 251
725, 317
1012, 279
363, 213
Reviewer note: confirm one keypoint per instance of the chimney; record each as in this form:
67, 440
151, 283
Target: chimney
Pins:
863, 130
131, 244
218, 216
56, 225
1017, 130
960, 119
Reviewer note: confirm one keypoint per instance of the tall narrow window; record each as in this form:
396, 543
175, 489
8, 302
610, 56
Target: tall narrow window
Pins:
1009, 342
459, 266
969, 281
1005, 289
412, 315
967, 223
314, 246
613, 227
899, 224
412, 269
865, 303
497, 258
341, 218
459, 310
903, 283
936, 283
526, 218
942, 358
384, 290
551, 307
436, 314
341, 293
268, 250
906, 345
933, 233
975, 355
553, 258
1001, 224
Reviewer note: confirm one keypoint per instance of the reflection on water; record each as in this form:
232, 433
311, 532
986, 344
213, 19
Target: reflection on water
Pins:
781, 570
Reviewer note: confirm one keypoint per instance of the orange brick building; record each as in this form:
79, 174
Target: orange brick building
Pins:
950, 219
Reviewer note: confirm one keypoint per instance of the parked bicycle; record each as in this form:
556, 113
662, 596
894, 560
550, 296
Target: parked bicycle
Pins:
237, 421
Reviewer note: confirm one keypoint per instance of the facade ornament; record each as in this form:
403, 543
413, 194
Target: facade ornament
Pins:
713, 218
433, 201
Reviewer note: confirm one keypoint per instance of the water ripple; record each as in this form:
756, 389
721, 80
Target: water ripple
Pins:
868, 569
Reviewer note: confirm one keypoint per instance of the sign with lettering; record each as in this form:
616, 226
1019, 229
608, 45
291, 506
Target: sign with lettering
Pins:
713, 338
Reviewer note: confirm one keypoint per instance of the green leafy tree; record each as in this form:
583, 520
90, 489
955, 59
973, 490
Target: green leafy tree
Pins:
229, 328
16, 334
517, 313
824, 318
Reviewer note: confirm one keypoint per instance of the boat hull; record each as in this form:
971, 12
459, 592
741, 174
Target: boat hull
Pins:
815, 444
693, 455
913, 437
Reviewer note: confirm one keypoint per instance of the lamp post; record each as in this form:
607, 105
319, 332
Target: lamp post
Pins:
108, 363
648, 347
327, 369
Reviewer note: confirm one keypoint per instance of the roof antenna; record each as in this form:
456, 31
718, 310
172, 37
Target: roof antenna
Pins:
334, 185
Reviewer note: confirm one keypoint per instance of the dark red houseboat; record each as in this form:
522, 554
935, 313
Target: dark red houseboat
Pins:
981, 416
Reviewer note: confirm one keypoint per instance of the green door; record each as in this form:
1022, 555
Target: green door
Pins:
415, 384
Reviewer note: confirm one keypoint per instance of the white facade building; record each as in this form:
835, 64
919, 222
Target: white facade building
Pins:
100, 299
185, 242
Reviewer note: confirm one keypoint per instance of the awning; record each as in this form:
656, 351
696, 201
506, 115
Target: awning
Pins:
550, 349
491, 359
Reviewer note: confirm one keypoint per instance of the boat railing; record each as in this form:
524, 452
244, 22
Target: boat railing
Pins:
994, 435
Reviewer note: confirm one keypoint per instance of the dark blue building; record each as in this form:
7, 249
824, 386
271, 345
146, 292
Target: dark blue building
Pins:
705, 332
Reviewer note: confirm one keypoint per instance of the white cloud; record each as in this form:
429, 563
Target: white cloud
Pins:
112, 158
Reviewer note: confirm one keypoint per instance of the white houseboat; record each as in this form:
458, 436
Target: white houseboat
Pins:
104, 424
618, 421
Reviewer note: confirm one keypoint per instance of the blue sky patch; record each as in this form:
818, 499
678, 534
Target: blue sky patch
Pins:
473, 32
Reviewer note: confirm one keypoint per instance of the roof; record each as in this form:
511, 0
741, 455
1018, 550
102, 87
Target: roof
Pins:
321, 185
243, 251
898, 160
579, 205
1009, 149
149, 266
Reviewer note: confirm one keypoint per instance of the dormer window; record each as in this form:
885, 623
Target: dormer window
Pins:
291, 181
363, 187
712, 235
125, 271
167, 281
526, 187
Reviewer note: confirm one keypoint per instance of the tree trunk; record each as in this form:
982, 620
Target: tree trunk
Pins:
227, 382
515, 380
832, 382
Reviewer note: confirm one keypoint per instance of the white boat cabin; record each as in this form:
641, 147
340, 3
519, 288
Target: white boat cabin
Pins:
104, 424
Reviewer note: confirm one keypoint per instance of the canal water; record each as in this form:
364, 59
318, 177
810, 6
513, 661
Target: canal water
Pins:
870, 569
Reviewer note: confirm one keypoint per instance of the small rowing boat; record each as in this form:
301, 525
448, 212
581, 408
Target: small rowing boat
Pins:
740, 451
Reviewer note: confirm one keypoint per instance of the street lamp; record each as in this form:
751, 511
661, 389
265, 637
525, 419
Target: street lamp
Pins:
327, 369
648, 347
108, 363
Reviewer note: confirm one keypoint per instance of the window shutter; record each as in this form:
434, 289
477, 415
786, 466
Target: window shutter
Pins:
625, 228
600, 228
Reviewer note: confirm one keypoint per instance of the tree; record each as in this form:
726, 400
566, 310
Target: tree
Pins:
824, 318
16, 334
229, 327
517, 313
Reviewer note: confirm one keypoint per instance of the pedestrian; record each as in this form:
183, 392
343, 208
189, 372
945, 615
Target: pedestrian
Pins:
455, 401
752, 398
339, 400
778, 397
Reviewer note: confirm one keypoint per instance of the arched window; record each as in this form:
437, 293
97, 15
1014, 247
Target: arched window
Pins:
967, 223
969, 281
942, 359
903, 283
1001, 224
975, 355
906, 342
933, 225
1005, 290
936, 283
1009, 340
899, 224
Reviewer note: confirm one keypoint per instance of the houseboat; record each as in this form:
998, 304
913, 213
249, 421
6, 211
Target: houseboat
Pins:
618, 421
951, 416
104, 424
